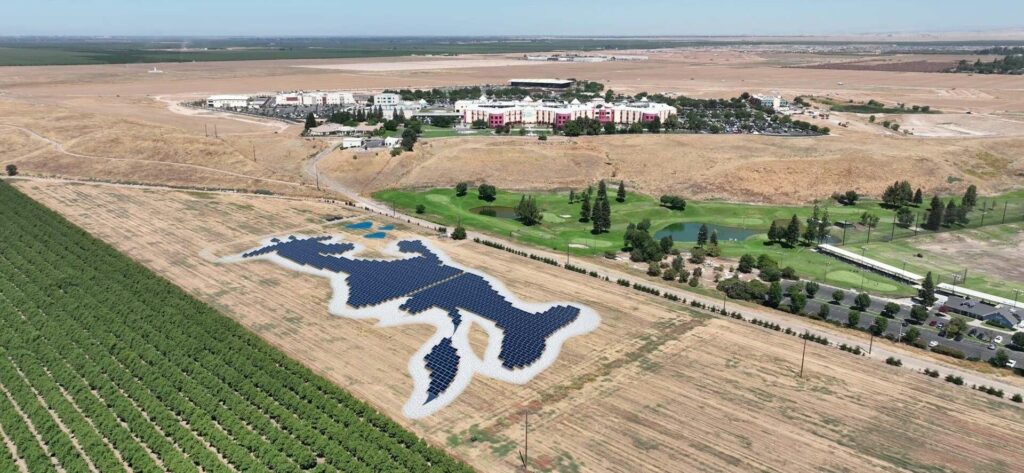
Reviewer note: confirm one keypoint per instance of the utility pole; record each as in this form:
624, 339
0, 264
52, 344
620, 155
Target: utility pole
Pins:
215, 131
893, 236
871, 343
1005, 204
206, 130
845, 223
524, 455
803, 356
253, 152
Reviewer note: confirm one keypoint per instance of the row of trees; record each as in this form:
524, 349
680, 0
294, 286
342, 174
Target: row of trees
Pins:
135, 368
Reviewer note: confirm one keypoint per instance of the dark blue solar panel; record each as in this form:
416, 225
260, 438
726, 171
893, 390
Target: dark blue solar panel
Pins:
526, 333
443, 363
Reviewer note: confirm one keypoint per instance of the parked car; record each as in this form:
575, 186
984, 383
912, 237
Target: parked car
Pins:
933, 344
991, 346
1011, 364
998, 339
932, 323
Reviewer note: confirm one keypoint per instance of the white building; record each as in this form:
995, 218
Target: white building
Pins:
227, 101
387, 100
352, 142
392, 141
530, 112
314, 98
773, 102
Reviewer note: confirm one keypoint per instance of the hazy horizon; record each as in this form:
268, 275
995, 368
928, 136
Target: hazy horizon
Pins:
461, 18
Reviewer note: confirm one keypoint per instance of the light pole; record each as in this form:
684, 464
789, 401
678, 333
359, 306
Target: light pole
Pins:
863, 249
803, 355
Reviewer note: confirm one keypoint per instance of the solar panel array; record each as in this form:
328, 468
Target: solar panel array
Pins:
443, 363
429, 283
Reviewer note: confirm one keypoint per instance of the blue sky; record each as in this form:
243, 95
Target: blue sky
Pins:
515, 17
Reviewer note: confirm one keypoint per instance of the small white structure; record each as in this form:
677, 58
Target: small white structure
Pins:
392, 142
352, 142
773, 102
387, 100
227, 101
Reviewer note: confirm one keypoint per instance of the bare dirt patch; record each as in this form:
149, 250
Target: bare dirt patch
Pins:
737, 168
392, 66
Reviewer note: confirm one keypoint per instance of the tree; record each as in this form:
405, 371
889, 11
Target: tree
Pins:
1018, 339
585, 208
698, 255
912, 334
812, 289
927, 291
487, 192
409, 138
823, 312
310, 121
797, 302
891, 309
880, 325
459, 233
853, 318
838, 296
479, 124
653, 269
420, 208
905, 217
12, 170
620, 196
811, 233
869, 219
957, 326
673, 202
793, 231
702, 235
862, 301
918, 197
461, 188
935, 214
666, 244
774, 294
528, 212
898, 194
1000, 359
713, 240
919, 313
775, 233
746, 264
951, 215
970, 197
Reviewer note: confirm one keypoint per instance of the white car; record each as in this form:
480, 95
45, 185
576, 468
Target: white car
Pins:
933, 344
1011, 364
998, 339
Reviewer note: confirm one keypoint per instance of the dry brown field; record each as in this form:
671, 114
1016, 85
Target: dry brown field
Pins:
654, 388
125, 121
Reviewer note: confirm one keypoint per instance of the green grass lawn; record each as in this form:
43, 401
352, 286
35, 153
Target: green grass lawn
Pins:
561, 228
943, 267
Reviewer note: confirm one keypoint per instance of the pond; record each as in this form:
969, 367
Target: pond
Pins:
360, 225
688, 232
376, 235
495, 211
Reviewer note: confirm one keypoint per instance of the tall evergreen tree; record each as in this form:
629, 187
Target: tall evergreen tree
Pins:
713, 240
918, 197
774, 294
606, 215
824, 226
620, 196
310, 121
572, 196
927, 292
702, 235
585, 208
970, 198
935, 214
951, 214
793, 231
774, 233
602, 190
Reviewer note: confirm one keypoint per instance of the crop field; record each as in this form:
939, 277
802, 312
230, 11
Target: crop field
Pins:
654, 388
106, 367
561, 230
